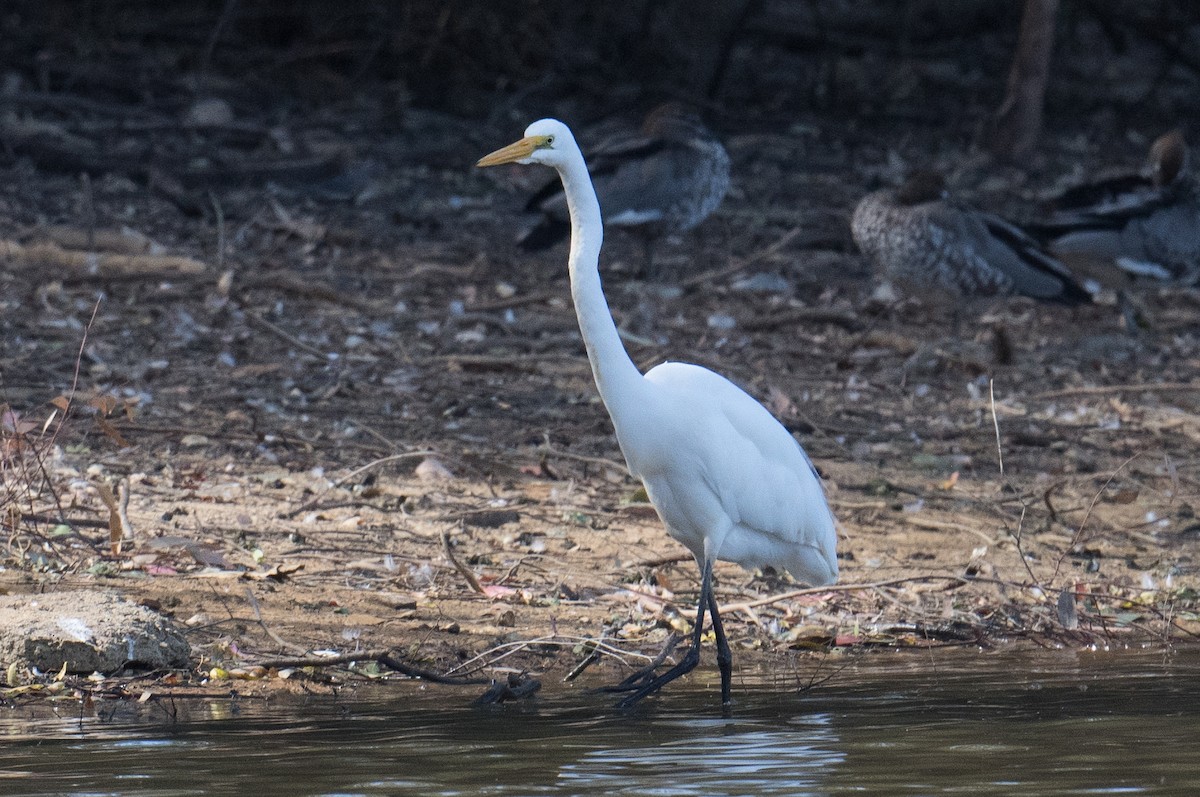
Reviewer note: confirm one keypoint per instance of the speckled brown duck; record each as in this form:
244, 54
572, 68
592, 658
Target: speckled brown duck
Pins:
1146, 224
919, 237
665, 178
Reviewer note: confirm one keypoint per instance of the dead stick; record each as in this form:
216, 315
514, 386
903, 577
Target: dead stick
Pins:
258, 616
744, 263
384, 658
665, 560
592, 657
382, 461
996, 424
1100, 390
799, 593
284, 335
1078, 536
305, 288
459, 566
802, 315
314, 503
78, 264
550, 451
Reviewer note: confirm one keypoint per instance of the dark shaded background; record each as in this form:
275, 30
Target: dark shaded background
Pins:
1134, 62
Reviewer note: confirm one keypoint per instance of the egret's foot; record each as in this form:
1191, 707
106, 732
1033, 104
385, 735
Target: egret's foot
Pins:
685, 665
645, 674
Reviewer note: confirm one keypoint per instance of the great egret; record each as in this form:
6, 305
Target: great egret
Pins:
1147, 224
727, 480
919, 236
663, 179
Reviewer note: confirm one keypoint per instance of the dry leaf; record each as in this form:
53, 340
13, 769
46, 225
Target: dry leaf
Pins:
104, 404
1125, 496
111, 432
497, 591
116, 529
779, 403
277, 573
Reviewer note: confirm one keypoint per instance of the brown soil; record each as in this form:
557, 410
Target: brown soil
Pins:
349, 384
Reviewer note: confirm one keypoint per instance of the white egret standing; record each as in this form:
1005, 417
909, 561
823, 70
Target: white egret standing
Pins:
727, 480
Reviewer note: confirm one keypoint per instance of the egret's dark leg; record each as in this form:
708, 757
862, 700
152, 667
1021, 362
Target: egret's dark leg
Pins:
724, 654
690, 659
646, 673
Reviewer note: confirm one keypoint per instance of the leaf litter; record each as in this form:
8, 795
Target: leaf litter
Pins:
350, 407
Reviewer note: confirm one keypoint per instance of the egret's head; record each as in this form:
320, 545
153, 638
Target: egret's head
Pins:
546, 141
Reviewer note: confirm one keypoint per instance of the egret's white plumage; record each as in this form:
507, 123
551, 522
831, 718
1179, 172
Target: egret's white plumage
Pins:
727, 479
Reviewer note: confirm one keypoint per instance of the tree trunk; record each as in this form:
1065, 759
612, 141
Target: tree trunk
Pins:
1018, 122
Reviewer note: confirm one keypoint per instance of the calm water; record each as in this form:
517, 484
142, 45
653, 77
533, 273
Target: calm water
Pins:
893, 724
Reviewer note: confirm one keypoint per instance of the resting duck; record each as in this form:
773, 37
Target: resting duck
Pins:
921, 238
1146, 223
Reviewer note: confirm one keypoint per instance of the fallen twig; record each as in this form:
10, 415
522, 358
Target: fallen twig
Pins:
1101, 390
288, 337
511, 648
385, 658
743, 263
802, 315
316, 502
799, 593
258, 616
119, 527
78, 264
996, 424
549, 450
1078, 536
664, 560
307, 288
591, 658
462, 569
502, 362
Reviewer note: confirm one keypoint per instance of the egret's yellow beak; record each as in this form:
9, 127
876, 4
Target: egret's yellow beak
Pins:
516, 151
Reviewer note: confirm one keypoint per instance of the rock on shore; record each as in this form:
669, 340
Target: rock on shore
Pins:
91, 630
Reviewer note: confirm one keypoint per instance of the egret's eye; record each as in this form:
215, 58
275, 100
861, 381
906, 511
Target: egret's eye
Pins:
549, 141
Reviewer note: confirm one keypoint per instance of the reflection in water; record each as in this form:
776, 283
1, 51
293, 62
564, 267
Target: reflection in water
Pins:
714, 757
980, 725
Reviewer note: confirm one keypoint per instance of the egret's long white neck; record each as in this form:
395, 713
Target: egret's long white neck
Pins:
617, 378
